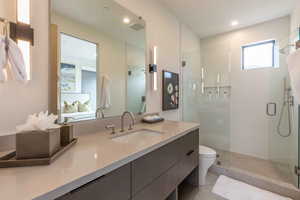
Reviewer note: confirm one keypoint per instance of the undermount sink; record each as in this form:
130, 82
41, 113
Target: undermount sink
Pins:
136, 136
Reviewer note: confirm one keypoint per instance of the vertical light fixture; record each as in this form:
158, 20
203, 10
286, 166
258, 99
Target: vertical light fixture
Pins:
23, 16
218, 83
153, 68
202, 81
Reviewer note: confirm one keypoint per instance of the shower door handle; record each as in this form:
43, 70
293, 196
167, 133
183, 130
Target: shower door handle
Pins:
274, 109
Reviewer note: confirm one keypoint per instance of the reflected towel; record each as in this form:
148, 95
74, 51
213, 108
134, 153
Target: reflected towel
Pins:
11, 53
105, 93
235, 190
294, 71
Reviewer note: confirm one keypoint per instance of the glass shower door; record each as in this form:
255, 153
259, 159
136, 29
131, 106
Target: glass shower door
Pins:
206, 94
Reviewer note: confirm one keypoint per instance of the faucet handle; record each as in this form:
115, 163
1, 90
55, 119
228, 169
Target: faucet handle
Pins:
112, 127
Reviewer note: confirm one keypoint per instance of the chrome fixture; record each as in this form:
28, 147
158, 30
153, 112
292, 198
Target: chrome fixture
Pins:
112, 127
274, 113
99, 110
131, 115
286, 50
288, 103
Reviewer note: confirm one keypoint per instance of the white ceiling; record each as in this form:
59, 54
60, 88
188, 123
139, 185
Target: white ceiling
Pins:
105, 16
210, 17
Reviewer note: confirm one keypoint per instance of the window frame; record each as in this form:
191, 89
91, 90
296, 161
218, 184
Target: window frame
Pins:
273, 41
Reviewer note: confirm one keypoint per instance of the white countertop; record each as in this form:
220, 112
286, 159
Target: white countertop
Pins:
93, 156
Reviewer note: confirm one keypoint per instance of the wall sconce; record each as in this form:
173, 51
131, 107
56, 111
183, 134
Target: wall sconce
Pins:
153, 68
22, 33
202, 81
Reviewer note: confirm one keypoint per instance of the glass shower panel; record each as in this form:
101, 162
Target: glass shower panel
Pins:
283, 127
215, 98
206, 93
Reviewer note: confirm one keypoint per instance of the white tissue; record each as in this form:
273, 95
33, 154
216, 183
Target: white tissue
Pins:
42, 122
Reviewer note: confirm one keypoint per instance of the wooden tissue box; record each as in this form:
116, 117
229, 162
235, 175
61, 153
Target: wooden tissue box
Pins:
67, 134
37, 144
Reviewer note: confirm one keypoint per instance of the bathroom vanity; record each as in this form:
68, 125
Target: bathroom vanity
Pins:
101, 166
152, 176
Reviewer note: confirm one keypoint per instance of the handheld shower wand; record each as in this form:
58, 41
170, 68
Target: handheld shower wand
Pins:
288, 102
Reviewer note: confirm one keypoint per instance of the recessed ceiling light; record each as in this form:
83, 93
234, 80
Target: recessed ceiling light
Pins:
234, 23
126, 20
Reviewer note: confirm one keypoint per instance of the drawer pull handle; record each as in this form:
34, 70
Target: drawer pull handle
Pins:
190, 152
86, 185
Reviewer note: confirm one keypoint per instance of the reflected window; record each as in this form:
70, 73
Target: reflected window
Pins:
78, 78
258, 55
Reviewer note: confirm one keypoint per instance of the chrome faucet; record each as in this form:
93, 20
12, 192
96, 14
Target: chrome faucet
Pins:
132, 120
99, 110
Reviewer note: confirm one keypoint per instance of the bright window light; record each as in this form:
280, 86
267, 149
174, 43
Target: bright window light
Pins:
25, 48
258, 55
23, 11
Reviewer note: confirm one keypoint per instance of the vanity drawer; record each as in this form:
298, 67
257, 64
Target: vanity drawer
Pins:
188, 164
146, 169
160, 188
149, 167
189, 155
188, 143
113, 186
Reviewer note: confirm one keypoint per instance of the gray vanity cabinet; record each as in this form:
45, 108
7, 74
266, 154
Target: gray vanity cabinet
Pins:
113, 186
157, 174
147, 168
152, 177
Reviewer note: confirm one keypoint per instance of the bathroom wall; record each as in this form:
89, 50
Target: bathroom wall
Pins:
295, 17
190, 75
251, 131
19, 100
111, 64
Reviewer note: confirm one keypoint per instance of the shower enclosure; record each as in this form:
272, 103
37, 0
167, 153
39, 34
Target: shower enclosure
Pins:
247, 114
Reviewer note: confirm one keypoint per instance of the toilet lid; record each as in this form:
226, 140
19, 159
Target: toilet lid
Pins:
203, 150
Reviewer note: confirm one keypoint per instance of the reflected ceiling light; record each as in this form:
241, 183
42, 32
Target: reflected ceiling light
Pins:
126, 20
234, 23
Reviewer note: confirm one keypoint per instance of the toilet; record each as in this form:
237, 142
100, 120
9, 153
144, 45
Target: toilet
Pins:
207, 157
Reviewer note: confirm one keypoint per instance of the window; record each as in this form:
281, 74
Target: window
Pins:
258, 55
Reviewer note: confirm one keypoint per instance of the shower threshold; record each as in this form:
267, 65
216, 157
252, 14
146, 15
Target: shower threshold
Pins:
261, 173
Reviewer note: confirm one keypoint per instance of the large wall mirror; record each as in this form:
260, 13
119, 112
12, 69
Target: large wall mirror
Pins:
98, 51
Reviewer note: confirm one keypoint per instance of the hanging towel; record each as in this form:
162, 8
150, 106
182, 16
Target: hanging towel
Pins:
11, 53
294, 70
3, 59
105, 93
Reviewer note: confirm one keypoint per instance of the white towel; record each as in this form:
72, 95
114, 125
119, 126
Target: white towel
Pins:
294, 70
14, 57
3, 59
105, 93
235, 190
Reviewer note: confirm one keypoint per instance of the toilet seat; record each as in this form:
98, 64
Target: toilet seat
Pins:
206, 152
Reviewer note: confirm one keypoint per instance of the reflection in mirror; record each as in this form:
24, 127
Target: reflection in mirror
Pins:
100, 59
78, 78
